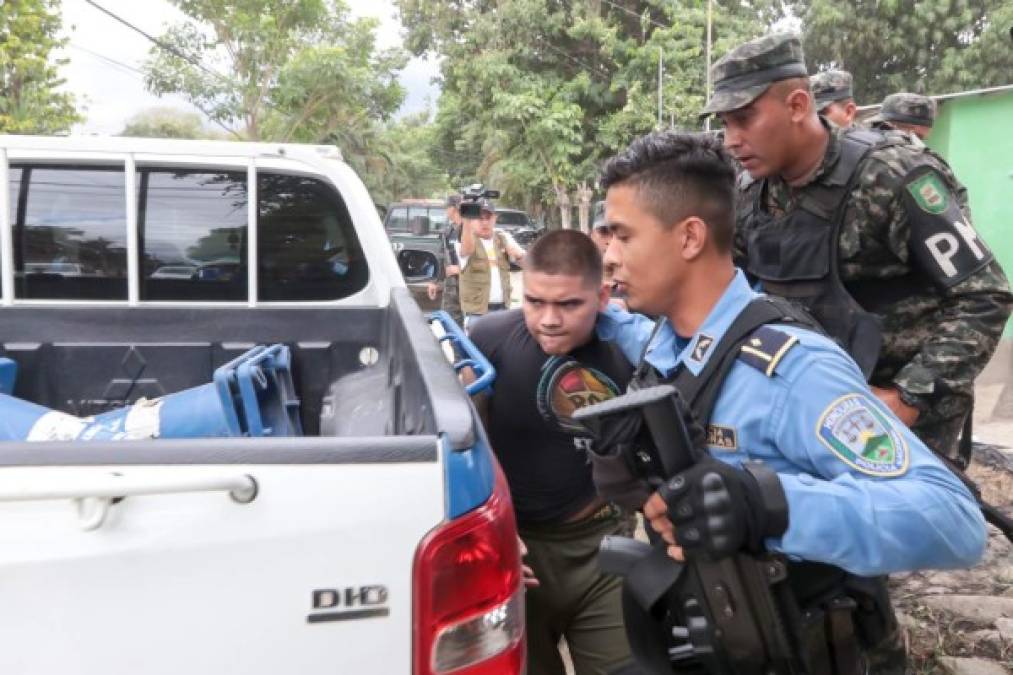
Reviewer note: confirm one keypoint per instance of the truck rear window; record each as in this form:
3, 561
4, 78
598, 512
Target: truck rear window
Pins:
70, 235
192, 234
70, 232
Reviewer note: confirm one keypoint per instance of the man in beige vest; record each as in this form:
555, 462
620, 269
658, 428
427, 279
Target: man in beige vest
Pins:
485, 254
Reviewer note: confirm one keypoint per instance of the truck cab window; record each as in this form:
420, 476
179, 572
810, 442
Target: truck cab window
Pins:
193, 234
70, 232
307, 245
397, 219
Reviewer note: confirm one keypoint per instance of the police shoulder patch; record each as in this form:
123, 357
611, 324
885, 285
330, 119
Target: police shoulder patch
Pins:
944, 245
859, 434
930, 193
765, 348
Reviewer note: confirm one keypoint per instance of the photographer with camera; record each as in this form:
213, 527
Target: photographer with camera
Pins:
797, 457
485, 254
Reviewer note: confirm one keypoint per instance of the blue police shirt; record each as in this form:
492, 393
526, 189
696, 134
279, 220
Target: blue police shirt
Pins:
863, 492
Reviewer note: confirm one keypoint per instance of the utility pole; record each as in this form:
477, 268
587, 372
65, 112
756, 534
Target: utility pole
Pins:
661, 70
707, 66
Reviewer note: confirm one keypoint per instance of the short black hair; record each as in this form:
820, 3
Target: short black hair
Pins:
565, 252
679, 175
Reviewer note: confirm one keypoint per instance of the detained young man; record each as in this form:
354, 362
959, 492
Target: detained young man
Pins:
549, 363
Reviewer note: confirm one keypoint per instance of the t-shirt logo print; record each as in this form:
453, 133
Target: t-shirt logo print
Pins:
565, 386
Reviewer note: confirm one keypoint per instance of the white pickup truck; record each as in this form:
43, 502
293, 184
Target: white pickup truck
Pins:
380, 540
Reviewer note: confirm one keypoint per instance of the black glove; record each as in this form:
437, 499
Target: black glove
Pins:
617, 467
719, 509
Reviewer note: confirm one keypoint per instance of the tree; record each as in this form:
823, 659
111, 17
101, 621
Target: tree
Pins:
409, 165
167, 123
30, 102
537, 92
282, 70
924, 46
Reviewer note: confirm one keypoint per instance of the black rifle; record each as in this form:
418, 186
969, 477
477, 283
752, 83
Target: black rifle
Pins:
732, 615
992, 513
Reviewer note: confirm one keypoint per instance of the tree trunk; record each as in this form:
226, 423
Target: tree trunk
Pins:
563, 199
584, 194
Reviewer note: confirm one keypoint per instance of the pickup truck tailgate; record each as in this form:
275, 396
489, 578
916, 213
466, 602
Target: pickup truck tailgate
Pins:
312, 576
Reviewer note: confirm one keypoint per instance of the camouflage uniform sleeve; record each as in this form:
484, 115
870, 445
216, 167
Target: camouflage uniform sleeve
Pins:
743, 206
928, 227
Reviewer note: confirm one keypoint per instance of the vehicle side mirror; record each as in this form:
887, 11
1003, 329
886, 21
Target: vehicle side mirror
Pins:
418, 266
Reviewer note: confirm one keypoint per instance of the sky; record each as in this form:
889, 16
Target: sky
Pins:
106, 56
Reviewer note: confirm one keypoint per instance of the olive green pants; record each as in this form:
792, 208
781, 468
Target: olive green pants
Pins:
574, 600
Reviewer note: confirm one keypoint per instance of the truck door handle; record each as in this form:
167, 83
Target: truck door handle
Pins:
93, 495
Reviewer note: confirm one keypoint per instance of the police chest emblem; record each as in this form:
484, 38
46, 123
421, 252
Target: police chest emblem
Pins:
863, 437
930, 193
702, 346
722, 438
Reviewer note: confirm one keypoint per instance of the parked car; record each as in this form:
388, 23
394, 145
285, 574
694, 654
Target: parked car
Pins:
380, 540
519, 225
416, 224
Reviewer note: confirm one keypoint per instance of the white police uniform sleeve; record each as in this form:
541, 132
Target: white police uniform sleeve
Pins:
868, 495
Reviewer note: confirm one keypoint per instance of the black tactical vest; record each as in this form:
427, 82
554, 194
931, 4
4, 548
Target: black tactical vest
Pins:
851, 614
796, 256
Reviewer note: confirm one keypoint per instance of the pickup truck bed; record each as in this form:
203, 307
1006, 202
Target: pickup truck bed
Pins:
87, 360
317, 574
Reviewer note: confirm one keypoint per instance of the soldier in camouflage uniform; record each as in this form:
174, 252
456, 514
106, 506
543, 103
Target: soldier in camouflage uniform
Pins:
906, 112
451, 302
870, 232
835, 100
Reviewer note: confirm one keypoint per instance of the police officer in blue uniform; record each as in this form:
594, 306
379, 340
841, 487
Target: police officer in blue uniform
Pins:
862, 492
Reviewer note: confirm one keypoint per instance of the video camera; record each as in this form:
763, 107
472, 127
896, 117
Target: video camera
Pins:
471, 200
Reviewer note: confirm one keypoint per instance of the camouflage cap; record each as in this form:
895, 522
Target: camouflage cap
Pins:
906, 108
741, 75
830, 86
485, 204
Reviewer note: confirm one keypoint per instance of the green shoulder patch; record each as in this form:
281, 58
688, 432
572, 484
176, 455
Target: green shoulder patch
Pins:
859, 434
930, 193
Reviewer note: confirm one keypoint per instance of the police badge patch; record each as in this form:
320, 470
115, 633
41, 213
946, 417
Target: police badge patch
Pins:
863, 437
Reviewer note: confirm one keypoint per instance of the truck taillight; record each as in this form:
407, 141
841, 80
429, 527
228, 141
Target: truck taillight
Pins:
469, 597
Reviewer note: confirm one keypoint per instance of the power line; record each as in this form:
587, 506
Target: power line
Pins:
161, 43
107, 59
140, 73
600, 70
631, 13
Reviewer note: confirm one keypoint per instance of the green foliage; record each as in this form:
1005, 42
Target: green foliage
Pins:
923, 46
283, 70
30, 102
167, 123
536, 93
404, 163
